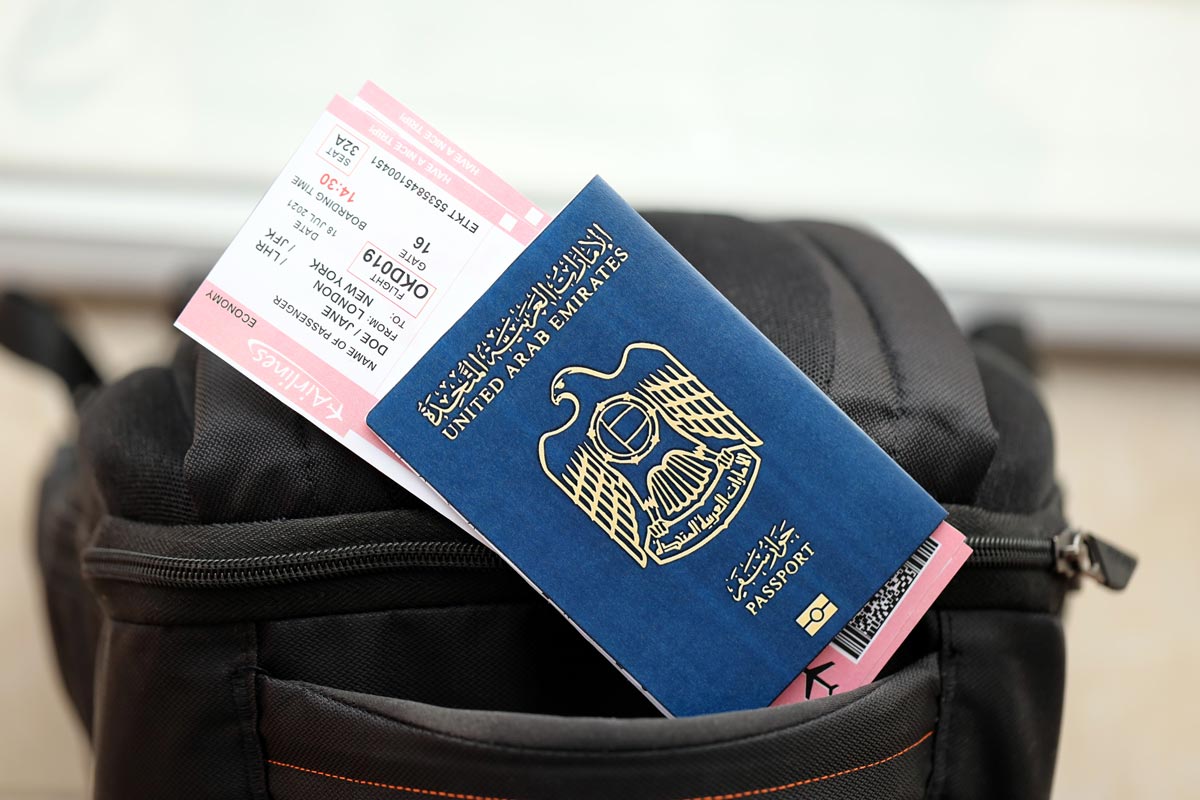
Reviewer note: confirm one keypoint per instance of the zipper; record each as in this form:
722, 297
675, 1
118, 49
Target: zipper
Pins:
270, 570
1071, 553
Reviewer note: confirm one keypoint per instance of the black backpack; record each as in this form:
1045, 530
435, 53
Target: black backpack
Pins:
243, 609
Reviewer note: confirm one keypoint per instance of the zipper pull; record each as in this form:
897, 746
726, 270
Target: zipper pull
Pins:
1078, 552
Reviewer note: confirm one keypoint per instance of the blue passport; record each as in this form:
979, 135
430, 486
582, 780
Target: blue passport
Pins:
653, 465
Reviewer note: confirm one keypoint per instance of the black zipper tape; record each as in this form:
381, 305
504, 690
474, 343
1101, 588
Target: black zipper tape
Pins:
270, 570
1070, 553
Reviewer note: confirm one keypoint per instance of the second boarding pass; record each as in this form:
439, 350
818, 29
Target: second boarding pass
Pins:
378, 234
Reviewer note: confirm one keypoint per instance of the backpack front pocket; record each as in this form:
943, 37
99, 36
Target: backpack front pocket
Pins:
876, 741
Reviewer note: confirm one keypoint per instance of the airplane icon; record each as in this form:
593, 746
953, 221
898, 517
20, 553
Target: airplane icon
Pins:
812, 675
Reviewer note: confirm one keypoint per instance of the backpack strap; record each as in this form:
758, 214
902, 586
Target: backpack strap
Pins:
33, 330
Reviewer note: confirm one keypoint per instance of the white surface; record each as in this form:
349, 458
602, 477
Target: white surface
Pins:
1036, 156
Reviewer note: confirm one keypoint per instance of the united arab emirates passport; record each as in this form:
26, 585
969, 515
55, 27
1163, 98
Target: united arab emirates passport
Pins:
648, 460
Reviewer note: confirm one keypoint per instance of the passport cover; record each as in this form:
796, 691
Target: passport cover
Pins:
648, 460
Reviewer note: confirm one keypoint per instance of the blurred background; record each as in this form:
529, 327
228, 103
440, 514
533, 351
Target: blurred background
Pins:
1037, 160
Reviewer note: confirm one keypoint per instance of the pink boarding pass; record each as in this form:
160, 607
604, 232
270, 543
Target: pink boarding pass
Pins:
359, 256
432, 141
868, 640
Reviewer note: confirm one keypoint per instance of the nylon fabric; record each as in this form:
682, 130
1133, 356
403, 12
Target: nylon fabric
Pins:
287, 467
1021, 475
72, 612
168, 720
460, 678
418, 654
767, 276
32, 330
933, 409
132, 440
1002, 701
497, 755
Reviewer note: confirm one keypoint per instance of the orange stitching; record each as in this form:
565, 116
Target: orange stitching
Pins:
393, 787
733, 796
784, 787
